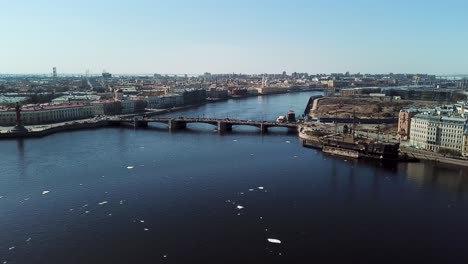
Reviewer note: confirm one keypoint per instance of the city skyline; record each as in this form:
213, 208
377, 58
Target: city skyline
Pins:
145, 37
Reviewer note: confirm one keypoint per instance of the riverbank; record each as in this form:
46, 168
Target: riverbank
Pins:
437, 159
72, 125
56, 129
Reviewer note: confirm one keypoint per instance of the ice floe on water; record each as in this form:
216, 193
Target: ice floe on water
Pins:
251, 190
240, 207
45, 192
235, 140
1, 197
11, 248
103, 202
288, 142
109, 214
121, 202
142, 221
146, 229
29, 239
164, 256
129, 167
260, 188
86, 212
295, 156
274, 240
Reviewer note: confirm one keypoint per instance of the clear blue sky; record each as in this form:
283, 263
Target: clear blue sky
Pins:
242, 36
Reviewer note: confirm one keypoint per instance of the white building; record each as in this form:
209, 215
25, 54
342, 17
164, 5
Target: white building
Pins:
47, 114
435, 132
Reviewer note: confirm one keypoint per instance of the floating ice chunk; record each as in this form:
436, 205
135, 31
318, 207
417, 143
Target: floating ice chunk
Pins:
142, 147
1, 197
261, 217
129, 167
235, 140
345, 160
240, 207
11, 248
121, 201
164, 256
103, 202
274, 240
29, 239
45, 192
81, 184
5, 262
251, 190
146, 229
109, 214
26, 199
238, 213
87, 212
266, 229
251, 154
295, 156
142, 221
86, 205
287, 141
241, 193
260, 188
71, 209
228, 201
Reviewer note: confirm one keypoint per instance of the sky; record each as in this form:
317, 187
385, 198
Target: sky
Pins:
241, 36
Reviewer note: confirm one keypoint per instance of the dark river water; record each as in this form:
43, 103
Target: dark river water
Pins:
150, 196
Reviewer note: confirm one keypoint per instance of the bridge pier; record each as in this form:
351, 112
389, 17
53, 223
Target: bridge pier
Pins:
176, 125
223, 127
138, 123
263, 128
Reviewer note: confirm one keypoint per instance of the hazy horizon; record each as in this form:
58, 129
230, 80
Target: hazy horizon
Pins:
177, 37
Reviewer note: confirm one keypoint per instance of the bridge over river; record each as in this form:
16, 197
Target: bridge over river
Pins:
222, 125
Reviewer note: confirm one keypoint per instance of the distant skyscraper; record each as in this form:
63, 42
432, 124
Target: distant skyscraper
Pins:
54, 72
284, 75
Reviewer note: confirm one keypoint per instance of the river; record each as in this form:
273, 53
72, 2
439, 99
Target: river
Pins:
116, 195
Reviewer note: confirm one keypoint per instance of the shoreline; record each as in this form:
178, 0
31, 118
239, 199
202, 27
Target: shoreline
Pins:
312, 142
108, 123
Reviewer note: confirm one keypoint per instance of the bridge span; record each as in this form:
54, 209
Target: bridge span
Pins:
222, 125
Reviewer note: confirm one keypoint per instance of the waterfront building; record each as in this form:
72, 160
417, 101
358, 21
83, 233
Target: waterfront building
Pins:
47, 114
164, 101
436, 133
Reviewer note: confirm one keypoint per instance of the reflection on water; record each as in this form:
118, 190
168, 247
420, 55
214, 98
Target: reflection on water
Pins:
437, 175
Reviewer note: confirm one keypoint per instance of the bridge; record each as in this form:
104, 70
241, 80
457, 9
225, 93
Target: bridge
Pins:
222, 125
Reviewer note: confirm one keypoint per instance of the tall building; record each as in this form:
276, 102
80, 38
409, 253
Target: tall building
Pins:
54, 72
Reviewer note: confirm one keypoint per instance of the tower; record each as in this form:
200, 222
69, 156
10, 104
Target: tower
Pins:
54, 72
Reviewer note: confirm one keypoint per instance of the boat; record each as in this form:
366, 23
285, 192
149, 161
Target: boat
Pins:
347, 145
281, 119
